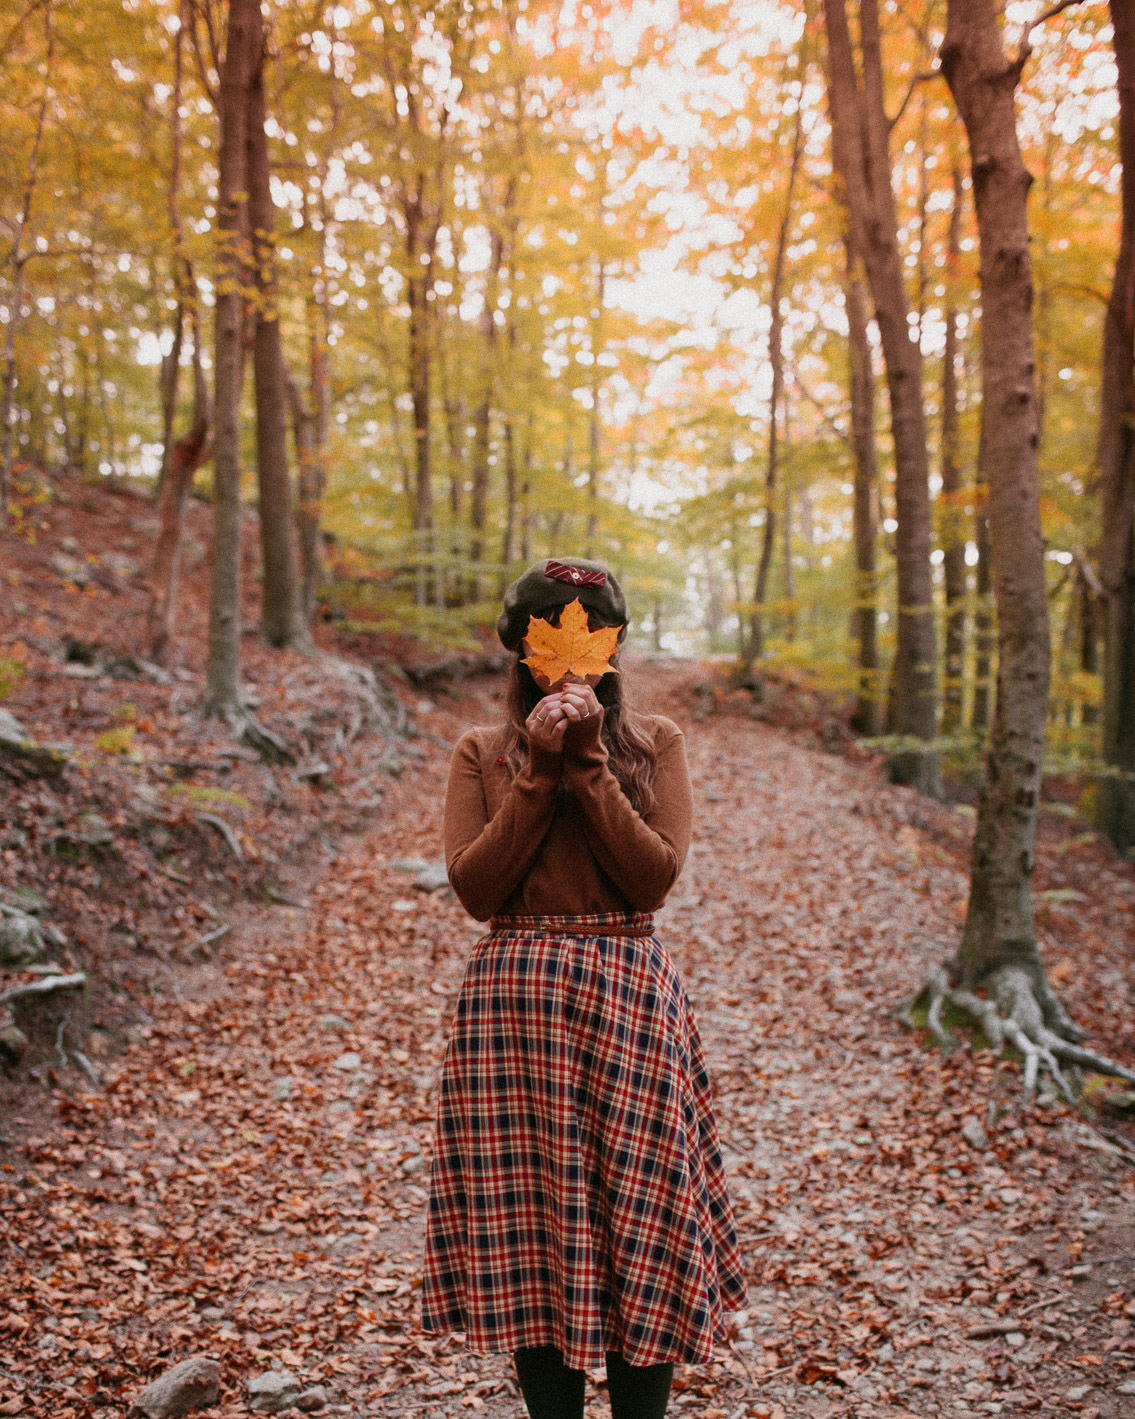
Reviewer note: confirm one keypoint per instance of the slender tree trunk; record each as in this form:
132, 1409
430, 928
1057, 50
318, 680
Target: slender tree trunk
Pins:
184, 285
789, 567
419, 283
18, 256
860, 134
595, 421
999, 924
1088, 628
222, 691
526, 489
482, 421
1115, 801
186, 455
868, 707
755, 647
313, 466
953, 539
282, 621
508, 541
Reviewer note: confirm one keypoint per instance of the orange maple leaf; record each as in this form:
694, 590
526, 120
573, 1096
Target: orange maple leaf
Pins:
570, 646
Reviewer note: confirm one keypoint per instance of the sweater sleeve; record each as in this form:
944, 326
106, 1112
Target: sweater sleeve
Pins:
487, 858
641, 855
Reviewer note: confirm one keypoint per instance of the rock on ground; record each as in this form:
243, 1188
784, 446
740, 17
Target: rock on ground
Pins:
192, 1384
273, 1392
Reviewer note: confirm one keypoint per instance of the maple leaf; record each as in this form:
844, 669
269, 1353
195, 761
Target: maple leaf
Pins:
570, 646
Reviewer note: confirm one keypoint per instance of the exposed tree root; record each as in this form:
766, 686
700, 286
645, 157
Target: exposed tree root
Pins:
218, 824
1012, 1014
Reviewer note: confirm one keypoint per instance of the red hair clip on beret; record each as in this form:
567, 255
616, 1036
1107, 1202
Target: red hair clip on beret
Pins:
576, 576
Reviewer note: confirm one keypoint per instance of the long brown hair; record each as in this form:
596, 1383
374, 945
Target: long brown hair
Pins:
629, 744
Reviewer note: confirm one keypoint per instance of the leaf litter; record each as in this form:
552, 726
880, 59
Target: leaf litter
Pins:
250, 1181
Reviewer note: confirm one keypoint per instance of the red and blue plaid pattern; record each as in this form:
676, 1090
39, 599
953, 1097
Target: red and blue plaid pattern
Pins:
577, 1194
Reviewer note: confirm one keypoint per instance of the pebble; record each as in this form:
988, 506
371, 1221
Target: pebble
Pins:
312, 1399
1077, 1392
1127, 1387
13, 1042
348, 1062
432, 878
282, 1087
334, 1022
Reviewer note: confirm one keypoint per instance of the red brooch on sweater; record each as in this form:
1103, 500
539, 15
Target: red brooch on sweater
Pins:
500, 758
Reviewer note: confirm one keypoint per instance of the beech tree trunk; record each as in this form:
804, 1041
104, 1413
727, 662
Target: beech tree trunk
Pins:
186, 455
868, 715
983, 609
1115, 802
282, 622
594, 418
18, 256
756, 643
999, 924
482, 422
860, 150
184, 284
242, 45
953, 537
420, 243
311, 454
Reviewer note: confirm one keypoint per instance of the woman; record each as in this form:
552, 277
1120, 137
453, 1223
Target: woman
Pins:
578, 1210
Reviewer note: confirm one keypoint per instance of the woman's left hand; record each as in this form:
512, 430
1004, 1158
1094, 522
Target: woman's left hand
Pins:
578, 702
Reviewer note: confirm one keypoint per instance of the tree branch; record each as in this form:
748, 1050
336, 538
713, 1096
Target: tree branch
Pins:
920, 78
1024, 49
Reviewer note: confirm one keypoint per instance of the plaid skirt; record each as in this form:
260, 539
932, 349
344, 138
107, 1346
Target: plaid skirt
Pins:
577, 1193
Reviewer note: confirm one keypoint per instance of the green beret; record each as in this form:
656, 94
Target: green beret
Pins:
557, 581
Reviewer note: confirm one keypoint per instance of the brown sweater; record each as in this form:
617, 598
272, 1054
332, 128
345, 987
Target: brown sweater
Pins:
561, 838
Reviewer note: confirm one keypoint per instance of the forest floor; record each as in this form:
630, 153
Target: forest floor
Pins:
248, 1180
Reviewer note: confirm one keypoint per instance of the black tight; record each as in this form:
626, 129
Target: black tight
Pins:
553, 1391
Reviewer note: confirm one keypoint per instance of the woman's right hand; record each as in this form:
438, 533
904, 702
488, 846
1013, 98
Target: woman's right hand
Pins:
546, 724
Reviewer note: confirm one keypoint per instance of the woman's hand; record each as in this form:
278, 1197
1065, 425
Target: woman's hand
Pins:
546, 724
577, 700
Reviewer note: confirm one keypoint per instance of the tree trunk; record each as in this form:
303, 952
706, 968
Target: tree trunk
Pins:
222, 691
282, 621
953, 539
510, 494
983, 608
1088, 628
1115, 801
999, 924
860, 134
789, 567
482, 420
526, 489
19, 258
419, 283
755, 647
186, 455
184, 285
595, 423
868, 707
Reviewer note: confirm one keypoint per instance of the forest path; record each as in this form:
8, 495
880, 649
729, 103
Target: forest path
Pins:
251, 1183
